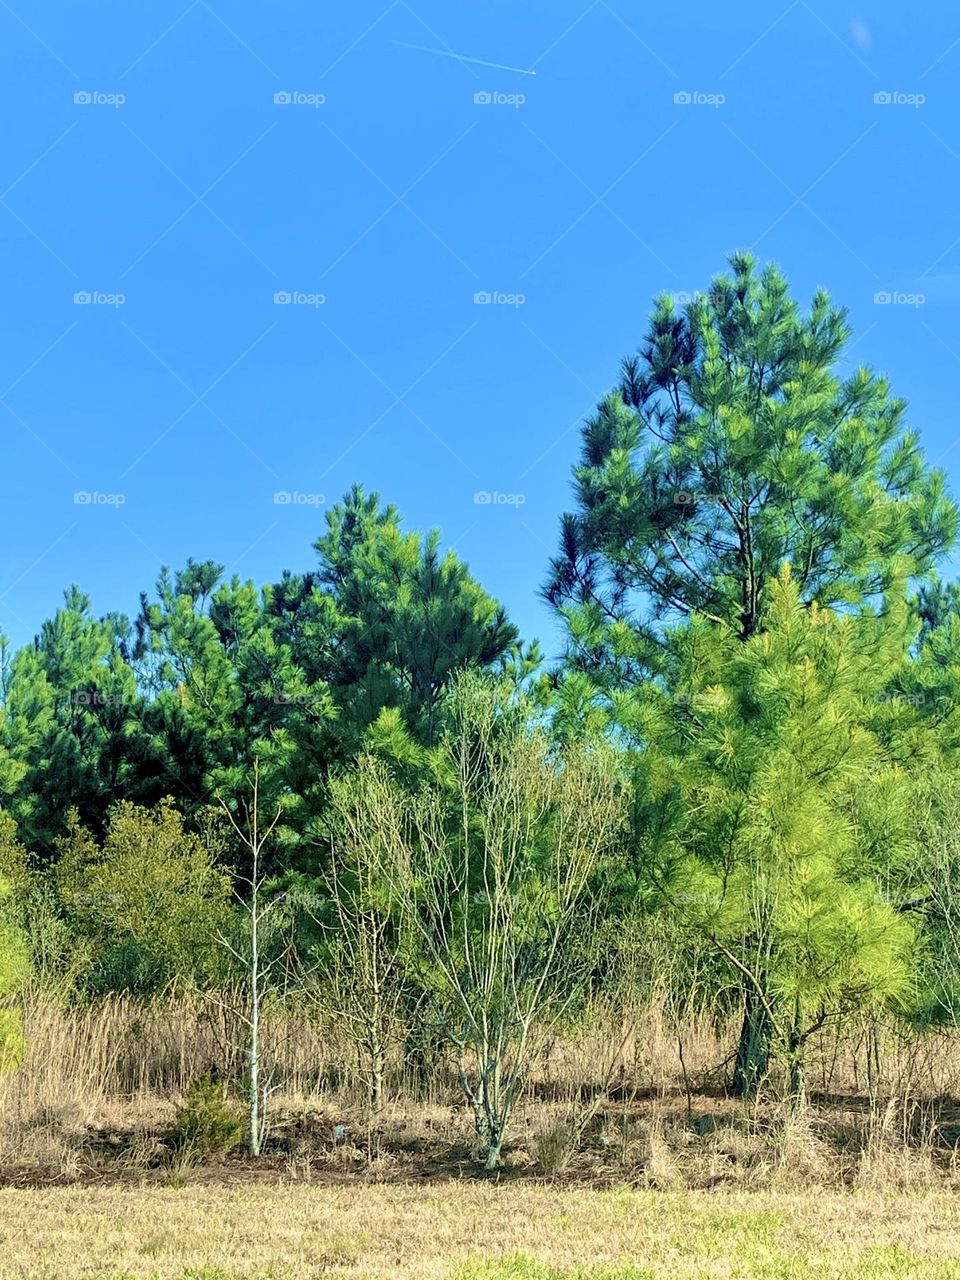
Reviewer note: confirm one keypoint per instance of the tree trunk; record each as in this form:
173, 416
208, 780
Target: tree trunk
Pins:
255, 1065
378, 1070
492, 1158
798, 1081
490, 1117
753, 1050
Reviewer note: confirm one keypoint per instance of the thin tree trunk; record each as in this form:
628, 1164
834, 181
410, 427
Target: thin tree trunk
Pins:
798, 1078
753, 1050
254, 1032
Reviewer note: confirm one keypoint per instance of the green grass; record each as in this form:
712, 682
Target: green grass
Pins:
737, 1260
735, 1244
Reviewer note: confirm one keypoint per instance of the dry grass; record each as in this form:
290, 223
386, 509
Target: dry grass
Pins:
664, 1177
121, 1048
467, 1230
97, 1094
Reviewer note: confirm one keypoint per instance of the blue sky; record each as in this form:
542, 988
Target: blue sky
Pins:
585, 189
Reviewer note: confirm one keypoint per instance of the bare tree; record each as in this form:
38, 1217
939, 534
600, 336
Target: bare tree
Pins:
360, 964
493, 860
251, 955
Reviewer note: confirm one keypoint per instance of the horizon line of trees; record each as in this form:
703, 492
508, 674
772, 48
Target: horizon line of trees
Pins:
748, 750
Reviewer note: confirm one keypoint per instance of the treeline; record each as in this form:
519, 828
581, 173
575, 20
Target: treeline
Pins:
739, 785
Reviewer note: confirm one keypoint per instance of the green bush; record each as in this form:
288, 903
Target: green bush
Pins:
150, 901
208, 1124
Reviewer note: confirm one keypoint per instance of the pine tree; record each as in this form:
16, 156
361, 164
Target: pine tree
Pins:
731, 447
387, 620
72, 731
300, 673
760, 746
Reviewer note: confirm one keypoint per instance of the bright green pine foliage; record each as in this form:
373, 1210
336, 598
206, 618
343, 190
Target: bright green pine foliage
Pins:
736, 445
765, 758
15, 960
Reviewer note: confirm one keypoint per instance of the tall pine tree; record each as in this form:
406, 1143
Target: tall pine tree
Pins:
732, 446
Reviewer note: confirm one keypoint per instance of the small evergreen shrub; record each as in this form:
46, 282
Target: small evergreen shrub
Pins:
208, 1124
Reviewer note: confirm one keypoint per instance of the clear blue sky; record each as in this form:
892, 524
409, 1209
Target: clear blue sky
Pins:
398, 199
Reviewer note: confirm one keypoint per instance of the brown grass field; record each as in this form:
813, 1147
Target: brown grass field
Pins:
466, 1231
670, 1178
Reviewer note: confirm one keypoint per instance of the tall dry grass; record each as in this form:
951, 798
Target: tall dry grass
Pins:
122, 1065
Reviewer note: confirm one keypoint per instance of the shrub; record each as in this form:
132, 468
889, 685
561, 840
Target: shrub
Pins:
152, 900
208, 1124
14, 972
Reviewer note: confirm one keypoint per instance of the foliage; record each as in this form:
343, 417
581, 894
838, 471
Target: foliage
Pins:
733, 451
72, 710
764, 855
733, 445
297, 673
215, 672
15, 968
208, 1124
739, 788
152, 898
491, 858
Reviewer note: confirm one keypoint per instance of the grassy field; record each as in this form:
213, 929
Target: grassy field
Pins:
470, 1231
661, 1185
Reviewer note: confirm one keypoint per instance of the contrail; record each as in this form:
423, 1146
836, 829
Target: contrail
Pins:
444, 53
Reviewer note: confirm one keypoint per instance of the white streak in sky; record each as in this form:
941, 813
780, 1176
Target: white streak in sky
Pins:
445, 53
